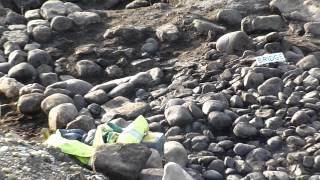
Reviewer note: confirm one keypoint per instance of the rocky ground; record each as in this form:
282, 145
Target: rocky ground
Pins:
188, 66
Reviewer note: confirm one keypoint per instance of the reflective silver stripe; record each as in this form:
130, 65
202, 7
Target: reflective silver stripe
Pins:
134, 133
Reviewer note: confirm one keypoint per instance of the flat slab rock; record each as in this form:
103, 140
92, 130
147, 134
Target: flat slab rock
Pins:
120, 161
123, 107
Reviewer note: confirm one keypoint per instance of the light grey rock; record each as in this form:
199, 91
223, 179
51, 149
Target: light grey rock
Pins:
217, 165
173, 171
308, 62
151, 174
137, 3
83, 122
297, 9
300, 117
213, 105
84, 18
253, 80
23, 72
234, 42
316, 163
42, 33
178, 115
44, 68
155, 160
212, 174
258, 154
123, 89
150, 46
5, 67
295, 140
274, 123
120, 161
236, 101
14, 18
34, 23
127, 33
251, 24
38, 57
245, 130
310, 81
276, 175
30, 103
195, 110
88, 69
271, 86
72, 7
10, 87
242, 149
50, 9
54, 100
219, 120
48, 78
60, 115
305, 130
19, 37
229, 16
32, 14
315, 72
203, 27
123, 107
242, 167
10, 47
167, 32
254, 176
31, 88
76, 86
61, 23
98, 96
312, 28
114, 71
16, 57
175, 152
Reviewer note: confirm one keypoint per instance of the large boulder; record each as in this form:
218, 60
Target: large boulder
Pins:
30, 103
61, 115
203, 27
123, 107
312, 28
298, 9
10, 87
88, 69
251, 24
271, 86
120, 161
84, 18
308, 62
234, 42
83, 122
19, 37
167, 32
175, 152
61, 23
54, 100
219, 120
173, 171
50, 9
76, 86
178, 115
38, 57
23, 72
